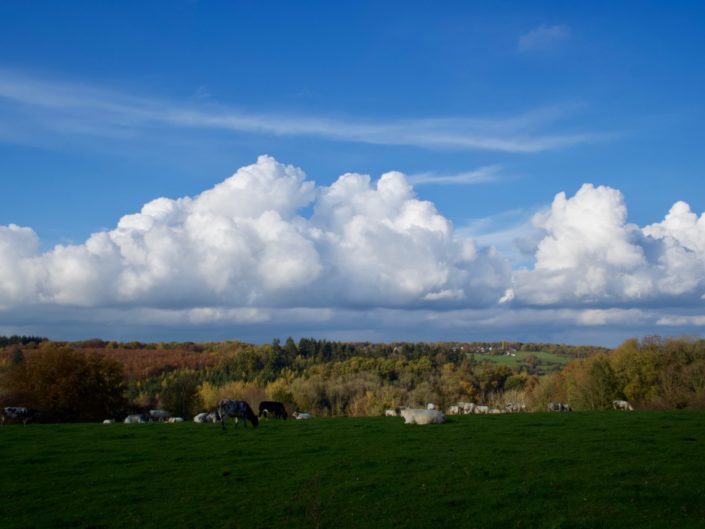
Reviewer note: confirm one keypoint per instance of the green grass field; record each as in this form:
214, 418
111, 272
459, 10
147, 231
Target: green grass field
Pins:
579, 470
549, 361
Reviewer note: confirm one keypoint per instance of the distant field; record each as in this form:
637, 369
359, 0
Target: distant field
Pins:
579, 470
549, 361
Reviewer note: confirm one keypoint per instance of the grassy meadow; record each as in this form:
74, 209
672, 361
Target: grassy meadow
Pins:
549, 361
591, 470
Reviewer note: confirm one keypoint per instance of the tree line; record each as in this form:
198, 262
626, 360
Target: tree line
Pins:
95, 379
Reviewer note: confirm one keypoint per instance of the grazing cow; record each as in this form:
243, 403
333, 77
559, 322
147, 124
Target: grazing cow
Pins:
271, 407
482, 410
466, 407
18, 413
566, 407
391, 412
175, 419
302, 415
137, 419
108, 421
454, 410
622, 405
159, 415
495, 411
237, 409
431, 406
515, 407
412, 416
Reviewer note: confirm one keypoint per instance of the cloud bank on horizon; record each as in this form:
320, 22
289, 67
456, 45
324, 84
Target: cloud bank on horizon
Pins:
268, 246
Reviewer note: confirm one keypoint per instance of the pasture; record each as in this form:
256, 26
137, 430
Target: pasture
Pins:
590, 470
549, 361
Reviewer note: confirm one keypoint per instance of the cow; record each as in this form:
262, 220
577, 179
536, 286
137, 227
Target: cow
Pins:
139, 418
557, 406
495, 411
431, 406
18, 413
205, 417
482, 410
454, 410
466, 407
391, 412
421, 416
271, 407
108, 421
514, 407
237, 409
159, 415
302, 415
175, 419
622, 405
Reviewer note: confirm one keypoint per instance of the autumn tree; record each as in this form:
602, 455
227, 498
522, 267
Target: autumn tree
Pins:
592, 383
180, 394
67, 385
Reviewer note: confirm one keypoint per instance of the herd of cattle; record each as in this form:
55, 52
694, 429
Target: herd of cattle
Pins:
241, 410
237, 409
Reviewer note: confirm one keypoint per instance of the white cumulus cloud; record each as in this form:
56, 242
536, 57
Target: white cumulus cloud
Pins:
589, 254
267, 249
244, 244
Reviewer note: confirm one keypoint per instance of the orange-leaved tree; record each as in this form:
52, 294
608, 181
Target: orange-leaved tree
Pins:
67, 385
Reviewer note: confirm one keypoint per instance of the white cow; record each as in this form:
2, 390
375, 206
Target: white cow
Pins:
482, 410
201, 417
108, 421
390, 412
622, 405
454, 410
431, 406
466, 407
159, 415
175, 419
421, 416
495, 411
136, 419
302, 415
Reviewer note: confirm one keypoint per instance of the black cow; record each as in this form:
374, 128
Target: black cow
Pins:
238, 409
19, 413
271, 407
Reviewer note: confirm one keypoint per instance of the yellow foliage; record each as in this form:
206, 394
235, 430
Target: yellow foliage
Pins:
210, 394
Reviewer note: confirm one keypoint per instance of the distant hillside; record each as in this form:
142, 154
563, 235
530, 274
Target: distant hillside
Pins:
328, 378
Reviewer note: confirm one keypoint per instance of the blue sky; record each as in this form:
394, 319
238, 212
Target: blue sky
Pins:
490, 109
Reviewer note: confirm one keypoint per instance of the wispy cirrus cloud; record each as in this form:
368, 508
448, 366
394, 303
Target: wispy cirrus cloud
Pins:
488, 173
543, 38
60, 108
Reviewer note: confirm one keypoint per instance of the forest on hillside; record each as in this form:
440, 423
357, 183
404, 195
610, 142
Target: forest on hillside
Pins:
96, 379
